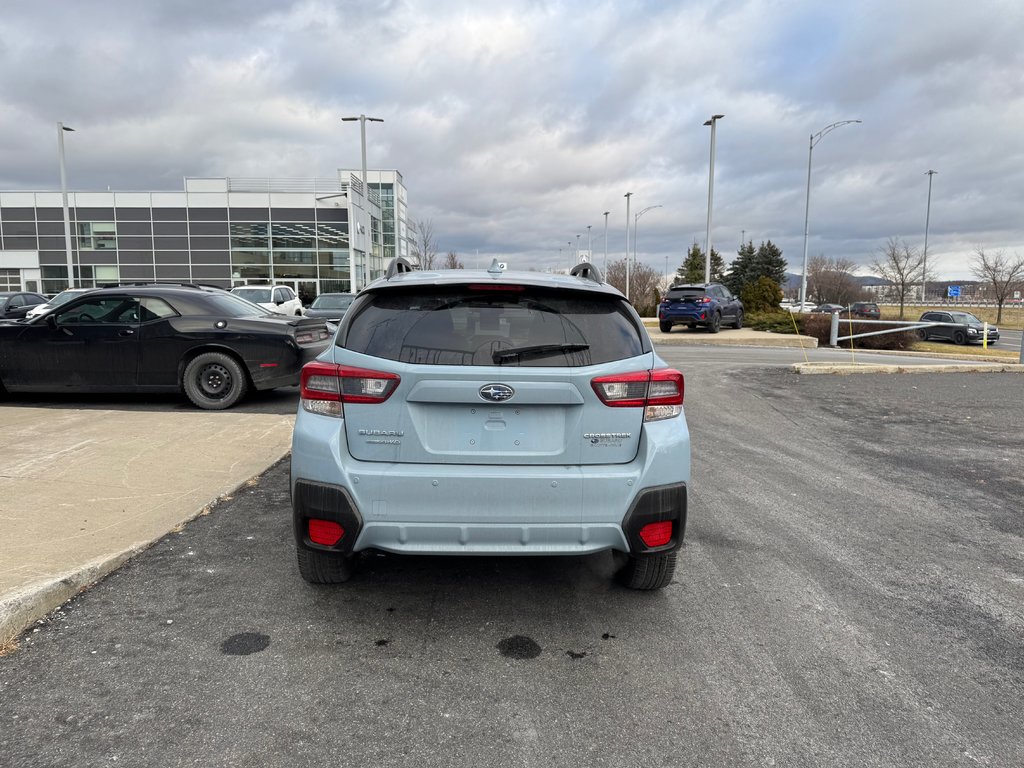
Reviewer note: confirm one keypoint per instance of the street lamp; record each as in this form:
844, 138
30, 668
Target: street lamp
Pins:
590, 245
636, 219
927, 217
605, 270
627, 196
815, 138
64, 194
711, 192
577, 249
366, 187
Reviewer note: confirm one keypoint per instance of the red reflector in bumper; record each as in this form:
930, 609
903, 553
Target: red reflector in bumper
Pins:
656, 534
326, 532
268, 365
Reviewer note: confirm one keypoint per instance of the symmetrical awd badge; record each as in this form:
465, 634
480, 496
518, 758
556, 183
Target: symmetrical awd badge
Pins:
496, 393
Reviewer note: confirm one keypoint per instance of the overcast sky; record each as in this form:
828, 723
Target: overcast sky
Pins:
517, 127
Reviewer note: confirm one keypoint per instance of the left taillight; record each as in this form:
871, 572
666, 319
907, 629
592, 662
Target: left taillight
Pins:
658, 392
326, 387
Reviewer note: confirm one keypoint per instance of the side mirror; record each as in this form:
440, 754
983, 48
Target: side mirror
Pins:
51, 320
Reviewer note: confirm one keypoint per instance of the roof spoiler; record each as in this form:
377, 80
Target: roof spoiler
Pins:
397, 266
586, 271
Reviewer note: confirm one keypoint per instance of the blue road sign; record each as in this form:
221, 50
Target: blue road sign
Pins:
953, 292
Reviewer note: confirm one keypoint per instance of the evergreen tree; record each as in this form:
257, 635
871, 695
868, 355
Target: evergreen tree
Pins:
692, 270
749, 265
741, 271
770, 263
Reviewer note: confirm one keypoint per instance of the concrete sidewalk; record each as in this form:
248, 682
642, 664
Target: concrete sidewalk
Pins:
81, 491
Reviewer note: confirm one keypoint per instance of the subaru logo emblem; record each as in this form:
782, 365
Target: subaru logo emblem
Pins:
496, 393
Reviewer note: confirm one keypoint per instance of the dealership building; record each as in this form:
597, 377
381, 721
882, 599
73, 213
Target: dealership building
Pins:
315, 235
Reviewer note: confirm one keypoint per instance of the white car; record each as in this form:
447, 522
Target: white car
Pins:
277, 298
61, 298
797, 306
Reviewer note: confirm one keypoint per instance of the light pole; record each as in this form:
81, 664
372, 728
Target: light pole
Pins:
366, 187
64, 194
636, 219
627, 196
927, 217
711, 192
571, 262
590, 244
577, 249
605, 269
815, 138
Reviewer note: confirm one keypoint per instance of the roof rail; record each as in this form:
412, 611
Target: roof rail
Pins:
397, 266
143, 283
586, 271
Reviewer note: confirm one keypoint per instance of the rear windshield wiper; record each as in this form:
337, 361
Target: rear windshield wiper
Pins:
538, 350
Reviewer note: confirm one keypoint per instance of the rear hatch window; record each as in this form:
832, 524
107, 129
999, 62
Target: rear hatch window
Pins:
687, 295
519, 327
502, 377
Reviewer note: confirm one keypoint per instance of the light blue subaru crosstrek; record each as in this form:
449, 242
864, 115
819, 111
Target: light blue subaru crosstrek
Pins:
485, 412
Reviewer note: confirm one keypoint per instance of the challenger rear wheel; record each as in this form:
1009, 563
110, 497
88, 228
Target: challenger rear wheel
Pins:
214, 381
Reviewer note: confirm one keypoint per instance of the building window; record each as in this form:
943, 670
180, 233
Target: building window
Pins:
10, 279
96, 236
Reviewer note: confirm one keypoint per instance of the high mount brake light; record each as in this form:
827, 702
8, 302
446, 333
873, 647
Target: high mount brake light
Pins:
326, 386
659, 392
496, 287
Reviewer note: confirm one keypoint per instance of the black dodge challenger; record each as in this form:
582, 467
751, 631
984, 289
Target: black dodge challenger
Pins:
205, 342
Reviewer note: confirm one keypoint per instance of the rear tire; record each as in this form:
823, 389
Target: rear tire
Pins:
739, 321
648, 571
716, 323
922, 335
325, 567
214, 381
665, 327
959, 338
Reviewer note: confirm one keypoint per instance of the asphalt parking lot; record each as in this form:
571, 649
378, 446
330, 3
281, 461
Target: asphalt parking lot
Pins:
850, 594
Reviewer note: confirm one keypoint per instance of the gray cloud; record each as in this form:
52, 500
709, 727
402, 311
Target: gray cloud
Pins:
517, 126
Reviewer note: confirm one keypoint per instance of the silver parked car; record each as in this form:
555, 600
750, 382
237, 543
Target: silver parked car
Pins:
488, 412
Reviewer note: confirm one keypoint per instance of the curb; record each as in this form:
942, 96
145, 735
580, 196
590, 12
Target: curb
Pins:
847, 368
23, 607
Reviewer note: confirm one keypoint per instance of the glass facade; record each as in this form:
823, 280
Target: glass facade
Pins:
309, 234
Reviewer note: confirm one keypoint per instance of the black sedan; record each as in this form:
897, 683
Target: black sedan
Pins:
15, 304
829, 309
158, 338
330, 306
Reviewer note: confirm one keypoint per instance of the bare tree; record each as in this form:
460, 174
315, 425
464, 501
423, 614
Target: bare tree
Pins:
1002, 274
451, 261
832, 280
902, 266
644, 285
424, 244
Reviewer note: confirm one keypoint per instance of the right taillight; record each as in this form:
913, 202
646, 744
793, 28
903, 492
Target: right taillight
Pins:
658, 392
326, 387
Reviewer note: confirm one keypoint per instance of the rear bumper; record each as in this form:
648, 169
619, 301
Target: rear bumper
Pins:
284, 374
690, 315
325, 502
450, 509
